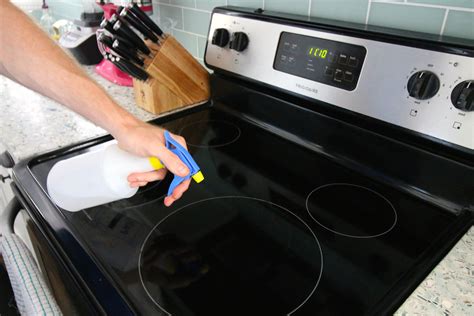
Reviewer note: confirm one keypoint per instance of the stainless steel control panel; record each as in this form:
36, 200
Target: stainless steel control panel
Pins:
426, 91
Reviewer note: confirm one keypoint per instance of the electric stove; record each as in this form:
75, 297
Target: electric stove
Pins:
335, 179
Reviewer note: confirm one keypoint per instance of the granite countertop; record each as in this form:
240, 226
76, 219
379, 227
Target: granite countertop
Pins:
31, 124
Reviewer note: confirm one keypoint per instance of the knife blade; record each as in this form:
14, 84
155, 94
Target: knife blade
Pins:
145, 19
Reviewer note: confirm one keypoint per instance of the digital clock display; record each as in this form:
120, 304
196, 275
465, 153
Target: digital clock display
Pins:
317, 52
330, 62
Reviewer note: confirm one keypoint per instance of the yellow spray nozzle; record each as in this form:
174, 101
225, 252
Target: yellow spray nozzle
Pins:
198, 177
155, 163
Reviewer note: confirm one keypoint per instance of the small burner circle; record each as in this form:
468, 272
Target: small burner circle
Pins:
210, 133
351, 210
180, 232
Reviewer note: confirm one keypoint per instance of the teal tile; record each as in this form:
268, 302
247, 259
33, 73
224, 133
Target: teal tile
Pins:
460, 24
189, 41
183, 3
36, 14
209, 4
204, 65
343, 10
452, 3
196, 21
413, 18
72, 2
173, 13
246, 3
294, 7
70, 11
201, 46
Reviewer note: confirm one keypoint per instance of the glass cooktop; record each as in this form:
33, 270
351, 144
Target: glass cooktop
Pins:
275, 229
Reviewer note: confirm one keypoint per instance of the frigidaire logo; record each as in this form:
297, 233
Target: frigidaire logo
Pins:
306, 88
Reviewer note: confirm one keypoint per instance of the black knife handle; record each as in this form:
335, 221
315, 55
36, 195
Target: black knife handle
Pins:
125, 42
125, 53
134, 70
110, 58
106, 25
137, 24
125, 31
106, 40
145, 19
113, 59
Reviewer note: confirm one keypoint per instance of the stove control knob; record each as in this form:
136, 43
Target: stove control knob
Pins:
220, 37
239, 42
462, 96
423, 85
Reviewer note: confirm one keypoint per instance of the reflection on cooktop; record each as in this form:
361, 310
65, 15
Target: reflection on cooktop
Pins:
145, 195
351, 210
231, 255
210, 133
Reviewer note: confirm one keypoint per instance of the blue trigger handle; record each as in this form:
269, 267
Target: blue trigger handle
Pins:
186, 158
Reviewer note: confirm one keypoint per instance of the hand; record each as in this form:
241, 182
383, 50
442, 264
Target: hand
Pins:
147, 140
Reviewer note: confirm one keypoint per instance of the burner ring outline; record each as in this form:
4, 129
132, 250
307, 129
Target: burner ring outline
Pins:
232, 197
239, 132
357, 186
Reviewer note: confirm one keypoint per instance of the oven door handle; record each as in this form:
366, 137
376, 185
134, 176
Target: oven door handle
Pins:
32, 294
7, 217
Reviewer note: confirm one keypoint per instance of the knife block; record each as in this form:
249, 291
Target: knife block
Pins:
176, 79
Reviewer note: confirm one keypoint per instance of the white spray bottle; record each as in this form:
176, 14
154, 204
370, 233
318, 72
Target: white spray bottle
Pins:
100, 176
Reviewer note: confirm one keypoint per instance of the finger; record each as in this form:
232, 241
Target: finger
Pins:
180, 189
177, 192
147, 176
171, 161
180, 140
168, 200
137, 184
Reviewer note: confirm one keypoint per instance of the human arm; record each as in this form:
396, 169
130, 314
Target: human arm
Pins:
29, 57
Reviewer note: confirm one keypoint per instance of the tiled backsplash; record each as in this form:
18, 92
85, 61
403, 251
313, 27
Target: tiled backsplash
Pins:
60, 9
191, 17
445, 17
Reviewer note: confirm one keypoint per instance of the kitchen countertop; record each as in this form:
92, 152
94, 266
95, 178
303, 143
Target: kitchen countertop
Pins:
32, 124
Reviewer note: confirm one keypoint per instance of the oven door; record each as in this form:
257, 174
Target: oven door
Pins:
70, 295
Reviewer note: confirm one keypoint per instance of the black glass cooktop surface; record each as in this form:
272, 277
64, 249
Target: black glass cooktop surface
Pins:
274, 229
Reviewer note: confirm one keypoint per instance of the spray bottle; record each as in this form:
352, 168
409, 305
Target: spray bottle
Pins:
100, 176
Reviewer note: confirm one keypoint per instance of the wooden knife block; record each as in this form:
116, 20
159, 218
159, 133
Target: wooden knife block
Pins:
176, 80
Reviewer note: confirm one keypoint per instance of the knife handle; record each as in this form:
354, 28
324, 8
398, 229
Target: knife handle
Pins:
110, 58
106, 25
106, 40
135, 71
122, 51
145, 19
136, 23
125, 31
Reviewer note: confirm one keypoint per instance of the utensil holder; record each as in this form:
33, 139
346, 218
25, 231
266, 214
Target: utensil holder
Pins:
176, 80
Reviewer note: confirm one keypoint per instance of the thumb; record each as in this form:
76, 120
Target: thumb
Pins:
172, 162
